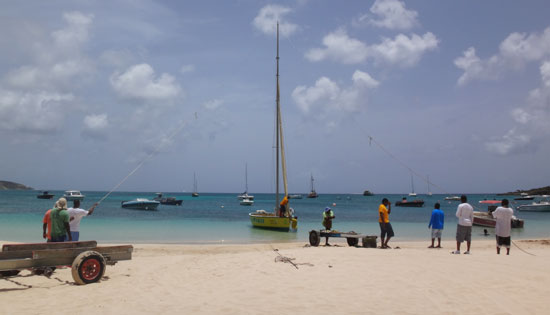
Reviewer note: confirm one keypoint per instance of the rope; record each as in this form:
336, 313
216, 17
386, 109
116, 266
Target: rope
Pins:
149, 157
516, 245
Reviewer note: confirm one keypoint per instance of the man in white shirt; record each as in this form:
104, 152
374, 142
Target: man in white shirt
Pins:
465, 215
76, 214
504, 216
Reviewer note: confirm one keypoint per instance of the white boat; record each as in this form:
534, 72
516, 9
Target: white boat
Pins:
246, 202
412, 193
542, 206
195, 193
141, 204
245, 194
295, 196
276, 220
72, 195
453, 198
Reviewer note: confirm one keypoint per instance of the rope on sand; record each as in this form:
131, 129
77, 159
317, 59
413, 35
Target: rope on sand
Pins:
516, 245
285, 259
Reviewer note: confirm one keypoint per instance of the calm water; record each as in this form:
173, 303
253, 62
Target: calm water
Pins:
217, 218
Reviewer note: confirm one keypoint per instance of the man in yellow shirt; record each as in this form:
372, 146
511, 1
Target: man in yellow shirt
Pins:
386, 231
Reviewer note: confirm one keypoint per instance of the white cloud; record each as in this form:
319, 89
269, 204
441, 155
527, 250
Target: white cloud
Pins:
95, 126
326, 96
532, 125
32, 112
266, 20
393, 15
77, 31
139, 83
511, 142
402, 51
212, 104
514, 52
341, 48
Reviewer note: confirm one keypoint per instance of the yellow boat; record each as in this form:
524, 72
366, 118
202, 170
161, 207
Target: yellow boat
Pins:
262, 218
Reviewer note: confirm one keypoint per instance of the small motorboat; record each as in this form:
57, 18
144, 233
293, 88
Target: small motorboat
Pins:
72, 195
141, 204
367, 193
245, 195
486, 219
246, 202
412, 203
452, 198
295, 196
45, 195
542, 206
524, 196
167, 200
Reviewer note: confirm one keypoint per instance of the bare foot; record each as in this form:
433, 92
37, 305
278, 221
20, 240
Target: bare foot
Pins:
431, 246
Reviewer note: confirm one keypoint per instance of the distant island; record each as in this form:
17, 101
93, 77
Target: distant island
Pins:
5, 185
534, 191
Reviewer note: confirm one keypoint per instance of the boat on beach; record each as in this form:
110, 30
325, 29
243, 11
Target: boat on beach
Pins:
140, 204
71, 195
277, 219
172, 201
45, 195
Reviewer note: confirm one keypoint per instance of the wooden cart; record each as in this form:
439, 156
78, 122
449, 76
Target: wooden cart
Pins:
88, 261
351, 237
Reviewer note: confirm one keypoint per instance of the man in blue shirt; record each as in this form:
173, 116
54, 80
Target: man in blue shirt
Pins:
436, 224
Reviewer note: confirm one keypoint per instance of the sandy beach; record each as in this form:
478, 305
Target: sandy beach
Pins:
255, 279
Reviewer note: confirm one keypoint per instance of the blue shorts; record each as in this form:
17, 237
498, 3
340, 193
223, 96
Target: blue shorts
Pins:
75, 235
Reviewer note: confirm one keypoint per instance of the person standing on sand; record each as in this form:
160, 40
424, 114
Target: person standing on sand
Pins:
436, 224
386, 230
47, 224
328, 215
503, 215
465, 215
76, 214
60, 221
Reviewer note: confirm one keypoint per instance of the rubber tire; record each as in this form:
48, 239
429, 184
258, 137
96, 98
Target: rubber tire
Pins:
352, 241
9, 273
314, 238
80, 260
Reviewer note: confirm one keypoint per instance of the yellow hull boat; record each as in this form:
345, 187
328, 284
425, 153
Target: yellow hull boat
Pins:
271, 221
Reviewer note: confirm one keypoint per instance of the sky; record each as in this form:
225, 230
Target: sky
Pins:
141, 95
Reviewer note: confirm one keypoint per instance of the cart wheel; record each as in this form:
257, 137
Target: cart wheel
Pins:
352, 241
88, 267
9, 273
314, 238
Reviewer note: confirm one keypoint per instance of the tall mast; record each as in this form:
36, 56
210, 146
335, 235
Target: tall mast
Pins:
246, 178
277, 126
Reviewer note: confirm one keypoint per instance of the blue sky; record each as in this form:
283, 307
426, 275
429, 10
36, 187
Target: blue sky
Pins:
455, 90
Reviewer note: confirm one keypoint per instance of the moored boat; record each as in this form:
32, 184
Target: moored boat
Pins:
486, 219
71, 195
367, 193
312, 193
45, 195
172, 201
140, 204
542, 206
417, 203
295, 196
452, 198
246, 202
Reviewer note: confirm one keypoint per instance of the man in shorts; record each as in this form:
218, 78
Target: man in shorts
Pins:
503, 215
76, 214
386, 230
465, 215
436, 224
328, 216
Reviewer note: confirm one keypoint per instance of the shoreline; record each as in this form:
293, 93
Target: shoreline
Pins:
259, 278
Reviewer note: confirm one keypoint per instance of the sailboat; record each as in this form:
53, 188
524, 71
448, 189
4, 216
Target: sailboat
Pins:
412, 193
312, 193
245, 194
274, 220
429, 192
195, 193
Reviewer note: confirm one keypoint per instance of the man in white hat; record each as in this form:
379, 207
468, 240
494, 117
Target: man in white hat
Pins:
60, 222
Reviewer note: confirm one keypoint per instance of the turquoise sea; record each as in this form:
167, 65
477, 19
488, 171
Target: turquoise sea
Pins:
218, 218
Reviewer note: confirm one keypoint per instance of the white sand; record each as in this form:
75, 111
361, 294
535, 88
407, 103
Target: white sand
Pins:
246, 279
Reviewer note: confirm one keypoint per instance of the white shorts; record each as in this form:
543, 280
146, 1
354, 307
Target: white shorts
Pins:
436, 233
